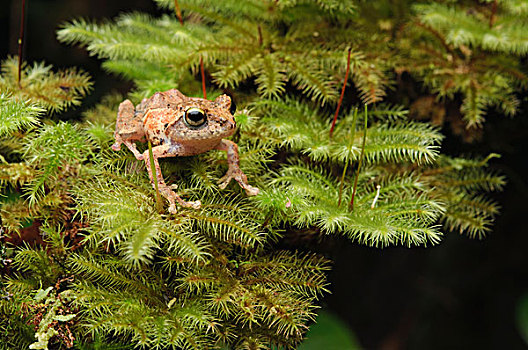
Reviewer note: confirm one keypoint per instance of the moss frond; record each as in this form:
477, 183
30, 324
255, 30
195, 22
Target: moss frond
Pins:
17, 114
54, 91
215, 277
54, 151
302, 128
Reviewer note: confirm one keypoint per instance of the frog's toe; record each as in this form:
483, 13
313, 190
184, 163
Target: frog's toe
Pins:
194, 205
116, 146
225, 180
251, 191
173, 209
223, 184
190, 204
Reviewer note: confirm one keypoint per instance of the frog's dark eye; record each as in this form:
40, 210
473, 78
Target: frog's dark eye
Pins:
194, 117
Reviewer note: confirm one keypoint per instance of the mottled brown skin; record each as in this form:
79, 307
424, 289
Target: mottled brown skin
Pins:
160, 120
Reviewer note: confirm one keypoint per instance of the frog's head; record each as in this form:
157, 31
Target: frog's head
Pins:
202, 119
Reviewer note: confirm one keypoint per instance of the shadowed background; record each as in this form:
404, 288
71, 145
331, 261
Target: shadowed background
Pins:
460, 294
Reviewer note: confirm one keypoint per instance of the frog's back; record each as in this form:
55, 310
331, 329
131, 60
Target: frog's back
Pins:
166, 99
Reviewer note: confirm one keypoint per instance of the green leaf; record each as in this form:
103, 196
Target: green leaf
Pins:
42, 293
329, 333
522, 317
64, 318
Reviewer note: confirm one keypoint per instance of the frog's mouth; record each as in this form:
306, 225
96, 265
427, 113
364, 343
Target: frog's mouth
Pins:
210, 129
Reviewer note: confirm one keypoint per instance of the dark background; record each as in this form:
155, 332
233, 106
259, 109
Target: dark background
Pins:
461, 294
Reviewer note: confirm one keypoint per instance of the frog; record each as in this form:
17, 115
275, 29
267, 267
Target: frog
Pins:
177, 125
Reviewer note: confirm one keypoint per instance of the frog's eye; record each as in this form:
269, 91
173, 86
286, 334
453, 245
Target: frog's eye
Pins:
194, 117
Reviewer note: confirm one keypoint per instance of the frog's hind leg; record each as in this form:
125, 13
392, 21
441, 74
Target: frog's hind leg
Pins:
125, 114
166, 191
129, 128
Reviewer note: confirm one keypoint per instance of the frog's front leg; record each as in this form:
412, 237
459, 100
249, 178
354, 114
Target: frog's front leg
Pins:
166, 191
130, 145
234, 171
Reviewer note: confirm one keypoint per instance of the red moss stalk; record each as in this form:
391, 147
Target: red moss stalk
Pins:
178, 11
342, 94
203, 78
21, 40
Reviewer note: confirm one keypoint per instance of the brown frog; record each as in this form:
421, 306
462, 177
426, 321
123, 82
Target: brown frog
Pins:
178, 125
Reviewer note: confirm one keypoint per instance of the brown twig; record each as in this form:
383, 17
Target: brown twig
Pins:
439, 36
178, 11
159, 204
260, 40
203, 78
493, 14
21, 40
342, 94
